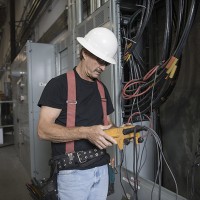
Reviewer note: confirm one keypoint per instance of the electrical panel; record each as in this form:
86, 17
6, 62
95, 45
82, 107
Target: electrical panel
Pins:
31, 70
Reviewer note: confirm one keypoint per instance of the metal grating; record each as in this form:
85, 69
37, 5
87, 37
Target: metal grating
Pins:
89, 25
81, 30
99, 18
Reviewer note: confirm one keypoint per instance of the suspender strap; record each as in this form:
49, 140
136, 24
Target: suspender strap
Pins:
103, 101
71, 107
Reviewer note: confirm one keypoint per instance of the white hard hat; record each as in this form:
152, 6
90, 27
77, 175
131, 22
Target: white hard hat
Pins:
101, 42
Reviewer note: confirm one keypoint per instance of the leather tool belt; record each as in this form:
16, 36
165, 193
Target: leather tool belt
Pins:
77, 159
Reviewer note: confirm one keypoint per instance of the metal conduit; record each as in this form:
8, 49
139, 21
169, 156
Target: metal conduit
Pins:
29, 20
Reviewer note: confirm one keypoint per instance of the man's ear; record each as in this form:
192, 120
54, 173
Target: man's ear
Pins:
84, 55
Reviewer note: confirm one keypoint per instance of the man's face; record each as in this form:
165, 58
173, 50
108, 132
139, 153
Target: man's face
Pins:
94, 66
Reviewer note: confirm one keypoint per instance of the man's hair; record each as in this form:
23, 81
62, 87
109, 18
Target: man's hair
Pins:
85, 51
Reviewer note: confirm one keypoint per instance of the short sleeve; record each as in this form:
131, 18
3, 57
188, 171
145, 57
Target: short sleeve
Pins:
54, 93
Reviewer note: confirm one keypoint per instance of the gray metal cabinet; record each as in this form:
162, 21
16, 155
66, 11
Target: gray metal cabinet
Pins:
31, 70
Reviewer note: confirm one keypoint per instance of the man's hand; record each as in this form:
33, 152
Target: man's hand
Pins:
96, 135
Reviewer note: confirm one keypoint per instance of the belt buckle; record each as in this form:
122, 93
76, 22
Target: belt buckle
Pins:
79, 157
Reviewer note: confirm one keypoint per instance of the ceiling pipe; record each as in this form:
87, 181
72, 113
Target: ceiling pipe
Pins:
29, 20
12, 31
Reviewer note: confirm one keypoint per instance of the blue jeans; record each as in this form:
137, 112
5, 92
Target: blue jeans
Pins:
90, 184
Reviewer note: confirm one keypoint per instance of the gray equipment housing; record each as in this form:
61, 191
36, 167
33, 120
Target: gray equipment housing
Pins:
31, 70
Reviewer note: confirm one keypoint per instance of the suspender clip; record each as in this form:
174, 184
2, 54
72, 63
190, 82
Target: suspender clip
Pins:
71, 102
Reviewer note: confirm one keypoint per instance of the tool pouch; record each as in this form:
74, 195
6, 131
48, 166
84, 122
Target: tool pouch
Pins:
45, 189
49, 188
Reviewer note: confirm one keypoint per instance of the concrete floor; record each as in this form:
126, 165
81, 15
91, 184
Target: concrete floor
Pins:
13, 176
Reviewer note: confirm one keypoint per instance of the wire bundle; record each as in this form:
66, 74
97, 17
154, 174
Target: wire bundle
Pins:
139, 162
145, 88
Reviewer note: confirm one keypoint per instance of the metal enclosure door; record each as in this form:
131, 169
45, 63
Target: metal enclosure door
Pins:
31, 70
20, 107
103, 17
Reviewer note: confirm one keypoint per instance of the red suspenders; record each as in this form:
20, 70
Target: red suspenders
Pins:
71, 105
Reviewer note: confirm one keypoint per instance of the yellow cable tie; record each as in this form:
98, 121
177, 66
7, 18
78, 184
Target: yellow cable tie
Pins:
173, 71
169, 70
172, 62
170, 66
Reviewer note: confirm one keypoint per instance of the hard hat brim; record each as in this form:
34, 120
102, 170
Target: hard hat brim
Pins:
85, 44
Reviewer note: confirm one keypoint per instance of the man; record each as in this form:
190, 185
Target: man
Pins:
87, 180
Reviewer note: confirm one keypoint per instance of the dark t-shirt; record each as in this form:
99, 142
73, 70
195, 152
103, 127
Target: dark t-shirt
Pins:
88, 109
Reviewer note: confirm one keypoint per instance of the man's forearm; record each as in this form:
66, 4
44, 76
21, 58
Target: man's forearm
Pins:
58, 133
